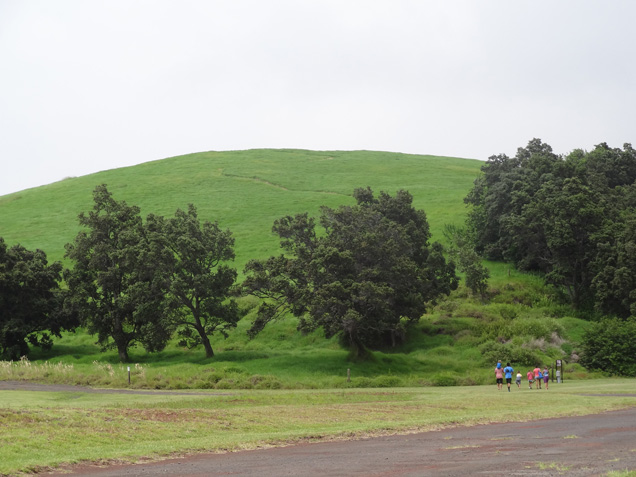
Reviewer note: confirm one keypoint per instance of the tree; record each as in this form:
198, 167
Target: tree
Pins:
564, 217
468, 261
200, 283
368, 277
31, 302
614, 282
120, 278
609, 346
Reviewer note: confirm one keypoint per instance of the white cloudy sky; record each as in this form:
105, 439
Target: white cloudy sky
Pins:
93, 85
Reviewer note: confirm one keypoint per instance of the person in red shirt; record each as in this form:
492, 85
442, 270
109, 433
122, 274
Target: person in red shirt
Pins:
530, 378
537, 372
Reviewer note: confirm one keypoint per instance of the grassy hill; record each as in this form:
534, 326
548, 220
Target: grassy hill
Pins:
245, 191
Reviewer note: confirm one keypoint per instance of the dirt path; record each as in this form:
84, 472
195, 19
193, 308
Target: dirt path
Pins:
574, 446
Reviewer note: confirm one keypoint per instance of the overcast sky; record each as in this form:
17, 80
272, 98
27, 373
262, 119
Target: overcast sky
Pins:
93, 85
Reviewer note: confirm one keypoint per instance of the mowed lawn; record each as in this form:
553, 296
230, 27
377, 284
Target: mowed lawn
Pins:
43, 429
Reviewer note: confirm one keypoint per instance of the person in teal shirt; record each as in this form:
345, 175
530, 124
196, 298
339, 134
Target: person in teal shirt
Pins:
508, 372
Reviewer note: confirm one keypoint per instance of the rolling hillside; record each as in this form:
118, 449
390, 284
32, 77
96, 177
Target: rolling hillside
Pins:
456, 342
244, 191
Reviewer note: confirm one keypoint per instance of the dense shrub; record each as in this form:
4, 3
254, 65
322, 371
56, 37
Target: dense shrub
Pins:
386, 381
444, 380
610, 346
493, 351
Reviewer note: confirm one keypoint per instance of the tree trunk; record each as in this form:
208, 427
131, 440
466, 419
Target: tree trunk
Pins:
209, 352
122, 349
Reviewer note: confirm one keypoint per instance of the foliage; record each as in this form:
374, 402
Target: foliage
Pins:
493, 351
200, 282
119, 282
367, 278
468, 261
31, 302
609, 346
570, 218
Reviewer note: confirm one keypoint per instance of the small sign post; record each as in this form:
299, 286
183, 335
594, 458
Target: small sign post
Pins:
559, 370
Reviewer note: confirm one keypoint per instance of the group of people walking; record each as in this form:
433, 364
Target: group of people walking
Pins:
536, 376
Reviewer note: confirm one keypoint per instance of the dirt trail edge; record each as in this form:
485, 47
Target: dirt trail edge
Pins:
572, 446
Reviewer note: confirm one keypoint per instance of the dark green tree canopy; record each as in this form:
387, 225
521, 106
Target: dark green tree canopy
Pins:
609, 346
120, 277
367, 276
566, 217
31, 302
200, 279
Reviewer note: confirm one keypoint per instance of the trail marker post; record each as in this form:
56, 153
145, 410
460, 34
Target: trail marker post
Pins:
558, 366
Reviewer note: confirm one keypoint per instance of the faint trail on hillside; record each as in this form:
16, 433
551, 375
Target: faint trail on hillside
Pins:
279, 186
255, 179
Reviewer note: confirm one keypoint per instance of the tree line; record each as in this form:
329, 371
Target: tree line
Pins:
367, 276
571, 218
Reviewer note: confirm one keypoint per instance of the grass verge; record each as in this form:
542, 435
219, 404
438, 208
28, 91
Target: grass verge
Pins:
47, 429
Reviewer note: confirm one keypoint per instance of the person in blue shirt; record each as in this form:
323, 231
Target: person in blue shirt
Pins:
508, 371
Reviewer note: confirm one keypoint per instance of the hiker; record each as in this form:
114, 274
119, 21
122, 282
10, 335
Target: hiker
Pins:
518, 380
530, 376
546, 377
499, 374
536, 371
508, 371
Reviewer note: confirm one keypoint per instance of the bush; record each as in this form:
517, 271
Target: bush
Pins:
508, 353
386, 382
444, 380
265, 382
609, 346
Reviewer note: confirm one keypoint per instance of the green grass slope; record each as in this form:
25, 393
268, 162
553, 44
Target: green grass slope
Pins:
244, 191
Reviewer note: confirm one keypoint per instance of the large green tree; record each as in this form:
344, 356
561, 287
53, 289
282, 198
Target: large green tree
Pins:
566, 217
120, 277
367, 276
201, 281
31, 302
609, 346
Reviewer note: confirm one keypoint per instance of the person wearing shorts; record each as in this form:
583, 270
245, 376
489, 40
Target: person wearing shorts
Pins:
499, 374
537, 372
530, 378
518, 380
546, 377
508, 371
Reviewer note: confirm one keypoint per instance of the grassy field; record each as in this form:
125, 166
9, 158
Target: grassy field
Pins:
42, 429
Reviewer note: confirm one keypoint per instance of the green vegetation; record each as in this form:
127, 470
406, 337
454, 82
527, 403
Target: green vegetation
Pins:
569, 218
457, 342
367, 278
43, 429
245, 191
